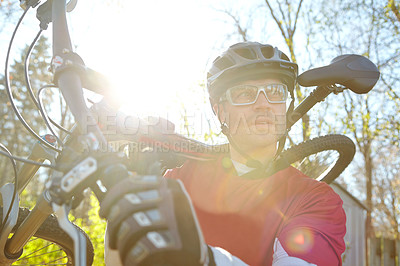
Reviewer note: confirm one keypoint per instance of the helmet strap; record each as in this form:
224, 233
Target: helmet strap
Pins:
282, 140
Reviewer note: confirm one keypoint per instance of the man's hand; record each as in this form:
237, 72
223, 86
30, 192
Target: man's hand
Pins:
151, 221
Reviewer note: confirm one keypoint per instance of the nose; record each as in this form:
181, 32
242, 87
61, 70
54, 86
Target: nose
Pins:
262, 102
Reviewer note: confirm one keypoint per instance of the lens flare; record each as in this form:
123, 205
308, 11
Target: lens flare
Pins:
300, 240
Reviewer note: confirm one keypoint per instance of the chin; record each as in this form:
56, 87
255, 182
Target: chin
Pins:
256, 141
265, 141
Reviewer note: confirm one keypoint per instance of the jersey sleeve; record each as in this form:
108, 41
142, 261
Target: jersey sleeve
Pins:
315, 231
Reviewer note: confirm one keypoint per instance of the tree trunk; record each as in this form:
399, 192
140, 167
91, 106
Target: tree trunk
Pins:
395, 9
369, 231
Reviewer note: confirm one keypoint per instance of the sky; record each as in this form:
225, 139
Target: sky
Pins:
152, 50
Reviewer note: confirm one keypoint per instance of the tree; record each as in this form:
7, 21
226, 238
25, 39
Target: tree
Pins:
13, 134
394, 7
386, 189
368, 117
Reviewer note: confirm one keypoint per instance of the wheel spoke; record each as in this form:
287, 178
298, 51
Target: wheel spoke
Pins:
44, 264
43, 253
27, 256
57, 260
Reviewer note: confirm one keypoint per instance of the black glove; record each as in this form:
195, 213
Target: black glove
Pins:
151, 221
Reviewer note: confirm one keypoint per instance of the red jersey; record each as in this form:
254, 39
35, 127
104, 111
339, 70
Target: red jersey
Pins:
244, 216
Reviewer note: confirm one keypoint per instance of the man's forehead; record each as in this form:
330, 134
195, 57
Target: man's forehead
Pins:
261, 81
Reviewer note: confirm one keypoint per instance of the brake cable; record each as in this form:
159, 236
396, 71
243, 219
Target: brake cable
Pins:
28, 83
8, 88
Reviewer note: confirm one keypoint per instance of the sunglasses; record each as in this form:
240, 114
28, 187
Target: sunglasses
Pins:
248, 94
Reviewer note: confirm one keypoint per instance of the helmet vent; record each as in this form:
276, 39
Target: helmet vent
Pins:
267, 51
223, 63
284, 57
246, 53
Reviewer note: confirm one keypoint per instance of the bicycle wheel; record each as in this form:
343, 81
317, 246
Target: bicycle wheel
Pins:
323, 158
50, 244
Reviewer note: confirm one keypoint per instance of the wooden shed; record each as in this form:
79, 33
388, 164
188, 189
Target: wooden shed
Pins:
355, 224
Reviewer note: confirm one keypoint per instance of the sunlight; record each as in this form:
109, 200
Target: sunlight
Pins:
155, 53
151, 55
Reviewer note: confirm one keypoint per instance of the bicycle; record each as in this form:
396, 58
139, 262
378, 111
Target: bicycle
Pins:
78, 161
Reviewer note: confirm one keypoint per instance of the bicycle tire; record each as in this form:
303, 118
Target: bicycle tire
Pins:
343, 145
50, 231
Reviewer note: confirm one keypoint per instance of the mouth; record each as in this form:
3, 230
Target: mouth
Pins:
263, 121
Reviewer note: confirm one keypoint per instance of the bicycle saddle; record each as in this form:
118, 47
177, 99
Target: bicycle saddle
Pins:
355, 72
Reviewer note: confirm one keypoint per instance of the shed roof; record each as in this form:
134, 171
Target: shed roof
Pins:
341, 188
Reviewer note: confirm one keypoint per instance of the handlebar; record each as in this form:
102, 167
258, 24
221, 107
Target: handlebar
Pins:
67, 79
67, 67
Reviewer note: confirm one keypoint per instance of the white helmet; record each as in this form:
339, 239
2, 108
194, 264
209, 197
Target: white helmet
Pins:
249, 60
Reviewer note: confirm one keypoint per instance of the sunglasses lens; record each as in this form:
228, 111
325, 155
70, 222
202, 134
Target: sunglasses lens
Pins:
243, 94
247, 94
276, 92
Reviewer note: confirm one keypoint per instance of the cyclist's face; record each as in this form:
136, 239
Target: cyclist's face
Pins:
255, 125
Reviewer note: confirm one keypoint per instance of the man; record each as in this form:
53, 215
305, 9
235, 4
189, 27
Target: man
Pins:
254, 217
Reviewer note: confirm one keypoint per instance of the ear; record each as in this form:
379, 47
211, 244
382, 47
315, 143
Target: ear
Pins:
215, 108
219, 111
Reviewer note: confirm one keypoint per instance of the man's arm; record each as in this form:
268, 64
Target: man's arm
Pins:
315, 232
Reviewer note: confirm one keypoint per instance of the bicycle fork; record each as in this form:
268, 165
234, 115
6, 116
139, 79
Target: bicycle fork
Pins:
11, 249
